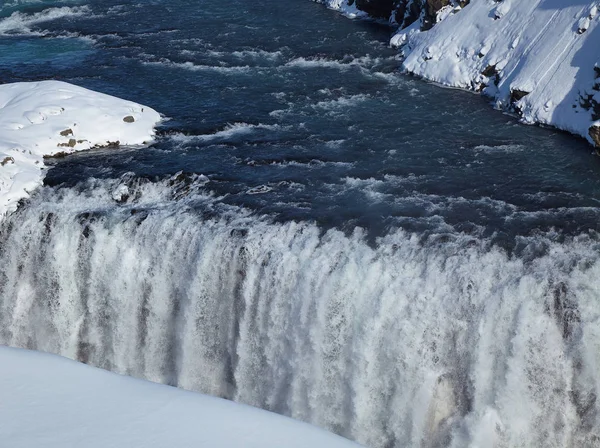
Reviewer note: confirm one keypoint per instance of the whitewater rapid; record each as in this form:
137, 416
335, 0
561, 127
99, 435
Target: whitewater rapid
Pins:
411, 341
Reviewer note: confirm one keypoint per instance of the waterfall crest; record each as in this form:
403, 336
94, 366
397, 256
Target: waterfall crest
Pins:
409, 342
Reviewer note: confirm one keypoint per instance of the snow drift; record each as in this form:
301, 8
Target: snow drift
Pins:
49, 118
54, 402
536, 58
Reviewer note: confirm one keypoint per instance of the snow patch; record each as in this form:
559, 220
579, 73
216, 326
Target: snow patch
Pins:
53, 118
535, 58
55, 402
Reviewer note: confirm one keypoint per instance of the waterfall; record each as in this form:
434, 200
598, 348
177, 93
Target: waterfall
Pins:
411, 341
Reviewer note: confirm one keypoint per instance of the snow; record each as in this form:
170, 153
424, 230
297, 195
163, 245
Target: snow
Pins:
545, 48
54, 402
46, 118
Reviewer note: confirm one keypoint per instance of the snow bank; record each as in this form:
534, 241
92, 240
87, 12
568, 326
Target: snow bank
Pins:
55, 402
49, 118
535, 57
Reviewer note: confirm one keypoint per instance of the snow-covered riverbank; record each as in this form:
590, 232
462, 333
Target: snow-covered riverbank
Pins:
52, 402
48, 118
536, 58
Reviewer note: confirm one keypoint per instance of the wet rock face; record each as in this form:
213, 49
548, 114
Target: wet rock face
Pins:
595, 134
380, 9
407, 12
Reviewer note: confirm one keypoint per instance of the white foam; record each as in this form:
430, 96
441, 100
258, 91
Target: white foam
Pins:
342, 102
20, 23
230, 131
500, 148
188, 65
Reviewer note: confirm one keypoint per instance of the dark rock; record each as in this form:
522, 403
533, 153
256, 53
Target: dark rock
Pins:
58, 155
7, 160
71, 144
595, 134
66, 132
379, 9
517, 95
489, 71
407, 13
129, 119
240, 233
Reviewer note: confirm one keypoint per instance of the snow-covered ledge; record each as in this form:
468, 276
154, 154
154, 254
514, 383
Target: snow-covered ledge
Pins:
48, 118
54, 402
536, 58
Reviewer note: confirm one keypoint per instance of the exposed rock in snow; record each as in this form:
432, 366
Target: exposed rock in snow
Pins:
54, 402
51, 118
536, 58
595, 134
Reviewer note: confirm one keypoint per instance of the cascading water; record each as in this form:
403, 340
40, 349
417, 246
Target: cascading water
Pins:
411, 341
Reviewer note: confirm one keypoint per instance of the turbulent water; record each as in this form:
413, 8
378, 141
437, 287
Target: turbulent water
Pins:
312, 233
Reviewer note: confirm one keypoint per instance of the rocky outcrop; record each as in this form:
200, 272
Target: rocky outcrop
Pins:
379, 9
595, 134
406, 12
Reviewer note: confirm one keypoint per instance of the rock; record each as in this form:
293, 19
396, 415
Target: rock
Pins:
66, 132
7, 160
58, 155
71, 144
129, 119
121, 194
517, 95
595, 134
380, 9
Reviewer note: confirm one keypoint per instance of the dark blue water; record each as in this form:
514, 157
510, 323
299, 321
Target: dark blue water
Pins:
294, 111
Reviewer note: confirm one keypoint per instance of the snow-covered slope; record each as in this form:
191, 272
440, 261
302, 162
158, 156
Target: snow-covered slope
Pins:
48, 401
47, 118
538, 58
